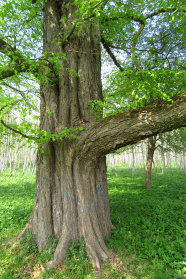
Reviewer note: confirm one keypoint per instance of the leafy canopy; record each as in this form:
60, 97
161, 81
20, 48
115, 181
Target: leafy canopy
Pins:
142, 39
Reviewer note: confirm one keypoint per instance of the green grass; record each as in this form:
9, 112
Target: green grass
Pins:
147, 242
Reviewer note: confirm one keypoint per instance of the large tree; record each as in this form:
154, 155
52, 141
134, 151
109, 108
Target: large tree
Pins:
71, 183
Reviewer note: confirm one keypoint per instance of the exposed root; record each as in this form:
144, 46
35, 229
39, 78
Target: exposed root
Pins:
97, 253
60, 252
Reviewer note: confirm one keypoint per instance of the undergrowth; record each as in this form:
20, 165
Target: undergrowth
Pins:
147, 242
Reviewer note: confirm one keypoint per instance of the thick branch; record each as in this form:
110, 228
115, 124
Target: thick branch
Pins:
127, 128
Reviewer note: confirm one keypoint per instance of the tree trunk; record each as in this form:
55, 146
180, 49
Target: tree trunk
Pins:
71, 193
150, 154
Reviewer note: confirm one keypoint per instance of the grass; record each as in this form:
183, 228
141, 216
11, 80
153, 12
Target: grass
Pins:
147, 243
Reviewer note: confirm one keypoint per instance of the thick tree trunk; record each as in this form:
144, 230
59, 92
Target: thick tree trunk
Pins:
71, 194
150, 155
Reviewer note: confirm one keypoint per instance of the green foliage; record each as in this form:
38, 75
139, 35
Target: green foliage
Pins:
148, 238
152, 61
132, 89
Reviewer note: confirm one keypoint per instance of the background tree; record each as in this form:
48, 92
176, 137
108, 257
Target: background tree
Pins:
150, 155
71, 186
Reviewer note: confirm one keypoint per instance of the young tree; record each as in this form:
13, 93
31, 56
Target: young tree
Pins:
71, 184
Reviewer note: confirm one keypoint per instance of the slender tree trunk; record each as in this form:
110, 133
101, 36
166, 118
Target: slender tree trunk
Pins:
133, 161
150, 154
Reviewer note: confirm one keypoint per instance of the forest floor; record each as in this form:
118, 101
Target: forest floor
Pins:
147, 242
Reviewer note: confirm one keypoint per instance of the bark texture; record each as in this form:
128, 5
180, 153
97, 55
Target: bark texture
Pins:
150, 155
71, 193
71, 188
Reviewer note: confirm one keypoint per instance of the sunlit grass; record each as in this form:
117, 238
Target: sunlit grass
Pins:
147, 242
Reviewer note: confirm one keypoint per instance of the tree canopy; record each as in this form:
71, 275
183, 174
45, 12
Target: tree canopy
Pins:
144, 40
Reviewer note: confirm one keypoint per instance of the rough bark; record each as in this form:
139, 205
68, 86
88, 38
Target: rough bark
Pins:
150, 155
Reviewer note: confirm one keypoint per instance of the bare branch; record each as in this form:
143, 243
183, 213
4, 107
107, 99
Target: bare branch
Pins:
107, 48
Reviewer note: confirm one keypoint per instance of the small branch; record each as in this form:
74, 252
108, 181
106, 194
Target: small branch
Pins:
159, 146
134, 45
70, 34
9, 71
17, 131
142, 19
119, 48
107, 48
12, 104
160, 11
123, 15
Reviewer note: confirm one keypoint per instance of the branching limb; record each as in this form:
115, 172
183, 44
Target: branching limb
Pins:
161, 11
10, 51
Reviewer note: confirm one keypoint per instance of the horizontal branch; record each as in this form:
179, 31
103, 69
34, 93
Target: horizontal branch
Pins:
130, 127
143, 18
